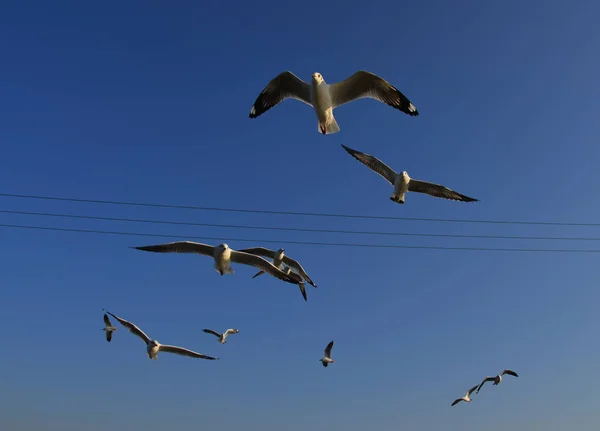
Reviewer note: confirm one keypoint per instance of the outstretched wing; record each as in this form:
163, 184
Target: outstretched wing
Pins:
438, 191
284, 86
472, 389
487, 379
107, 320
374, 164
109, 336
366, 84
260, 263
131, 328
260, 251
210, 331
231, 331
179, 247
184, 352
328, 349
296, 265
510, 373
456, 401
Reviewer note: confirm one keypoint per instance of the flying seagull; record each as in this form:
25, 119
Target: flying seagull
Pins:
324, 98
222, 255
153, 347
466, 398
108, 328
222, 337
279, 258
403, 183
497, 379
326, 360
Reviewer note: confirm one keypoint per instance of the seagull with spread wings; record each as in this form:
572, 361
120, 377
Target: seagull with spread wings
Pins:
326, 360
108, 328
279, 258
497, 379
153, 347
403, 183
466, 398
222, 337
324, 98
222, 255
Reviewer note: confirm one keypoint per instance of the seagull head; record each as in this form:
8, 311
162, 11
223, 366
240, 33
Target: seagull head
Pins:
317, 78
405, 175
152, 343
223, 246
281, 250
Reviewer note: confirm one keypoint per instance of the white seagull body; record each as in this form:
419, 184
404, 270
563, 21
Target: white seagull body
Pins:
324, 98
279, 258
403, 183
153, 347
222, 255
108, 328
497, 379
326, 360
466, 398
222, 337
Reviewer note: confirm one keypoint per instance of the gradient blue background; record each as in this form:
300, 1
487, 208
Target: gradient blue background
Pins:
149, 101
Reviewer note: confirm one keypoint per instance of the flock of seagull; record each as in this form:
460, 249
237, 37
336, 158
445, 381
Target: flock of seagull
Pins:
324, 98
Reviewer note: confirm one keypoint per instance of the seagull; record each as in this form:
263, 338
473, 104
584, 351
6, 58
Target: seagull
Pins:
497, 379
153, 347
279, 258
326, 360
222, 337
108, 328
403, 183
466, 398
324, 98
222, 254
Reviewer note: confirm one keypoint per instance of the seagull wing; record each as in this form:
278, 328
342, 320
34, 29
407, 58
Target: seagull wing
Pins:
510, 373
366, 84
231, 331
132, 328
456, 401
284, 86
210, 331
471, 390
328, 349
109, 336
180, 247
183, 352
260, 251
107, 320
296, 265
438, 191
374, 164
487, 379
260, 263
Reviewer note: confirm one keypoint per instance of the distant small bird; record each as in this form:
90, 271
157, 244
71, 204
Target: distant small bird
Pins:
222, 254
153, 347
326, 360
279, 258
324, 98
403, 183
496, 379
222, 337
466, 398
108, 328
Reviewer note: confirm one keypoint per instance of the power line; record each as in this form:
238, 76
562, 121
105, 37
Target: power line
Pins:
292, 229
331, 244
296, 213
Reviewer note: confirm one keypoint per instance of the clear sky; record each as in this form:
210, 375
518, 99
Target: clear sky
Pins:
149, 101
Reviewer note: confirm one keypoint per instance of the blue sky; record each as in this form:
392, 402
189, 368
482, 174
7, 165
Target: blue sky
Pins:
149, 101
